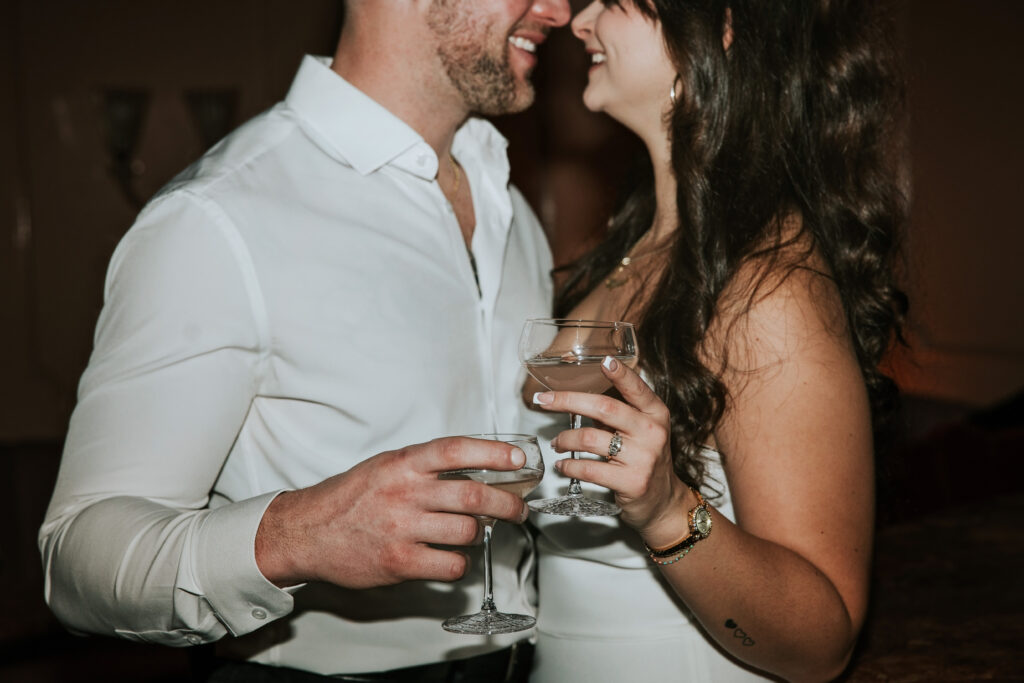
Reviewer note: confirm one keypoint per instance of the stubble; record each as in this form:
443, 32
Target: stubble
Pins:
475, 57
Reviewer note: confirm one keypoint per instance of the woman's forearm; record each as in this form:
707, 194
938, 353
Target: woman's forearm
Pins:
764, 603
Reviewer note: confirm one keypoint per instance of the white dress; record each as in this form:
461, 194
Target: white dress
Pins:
606, 615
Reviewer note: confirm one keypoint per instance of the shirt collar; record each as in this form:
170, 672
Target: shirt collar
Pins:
351, 125
345, 120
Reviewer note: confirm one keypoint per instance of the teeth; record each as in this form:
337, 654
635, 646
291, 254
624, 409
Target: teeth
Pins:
597, 58
523, 43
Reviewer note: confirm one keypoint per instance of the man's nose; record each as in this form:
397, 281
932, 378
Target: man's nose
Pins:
551, 12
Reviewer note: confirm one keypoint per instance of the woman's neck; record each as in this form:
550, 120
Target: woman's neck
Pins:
666, 215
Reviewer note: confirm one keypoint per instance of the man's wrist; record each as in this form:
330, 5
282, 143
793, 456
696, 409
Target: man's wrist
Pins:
277, 550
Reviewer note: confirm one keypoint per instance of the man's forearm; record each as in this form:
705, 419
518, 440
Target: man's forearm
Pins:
129, 567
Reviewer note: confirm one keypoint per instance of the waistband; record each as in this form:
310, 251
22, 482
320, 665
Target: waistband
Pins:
511, 665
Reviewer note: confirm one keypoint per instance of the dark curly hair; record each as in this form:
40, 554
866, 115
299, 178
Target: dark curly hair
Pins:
802, 116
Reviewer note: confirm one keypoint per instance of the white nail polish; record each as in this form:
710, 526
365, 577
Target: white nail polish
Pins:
609, 363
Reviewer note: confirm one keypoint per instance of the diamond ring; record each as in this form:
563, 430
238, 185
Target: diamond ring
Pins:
615, 445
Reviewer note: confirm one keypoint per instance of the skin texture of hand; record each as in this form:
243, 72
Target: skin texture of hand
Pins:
374, 525
641, 475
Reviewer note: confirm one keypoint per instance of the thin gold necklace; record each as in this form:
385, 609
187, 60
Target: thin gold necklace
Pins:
621, 275
458, 174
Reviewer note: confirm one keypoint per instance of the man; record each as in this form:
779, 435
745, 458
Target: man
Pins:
342, 276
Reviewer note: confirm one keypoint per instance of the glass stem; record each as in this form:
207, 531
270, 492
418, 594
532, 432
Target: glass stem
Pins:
488, 604
574, 485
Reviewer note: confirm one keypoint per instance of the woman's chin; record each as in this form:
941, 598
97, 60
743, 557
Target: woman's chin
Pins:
592, 102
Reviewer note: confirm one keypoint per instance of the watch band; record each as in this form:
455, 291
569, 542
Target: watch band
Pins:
698, 517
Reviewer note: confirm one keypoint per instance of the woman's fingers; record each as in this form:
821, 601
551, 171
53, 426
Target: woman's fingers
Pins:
617, 415
625, 481
614, 415
593, 440
634, 389
603, 409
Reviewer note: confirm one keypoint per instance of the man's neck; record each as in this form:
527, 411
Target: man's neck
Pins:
394, 63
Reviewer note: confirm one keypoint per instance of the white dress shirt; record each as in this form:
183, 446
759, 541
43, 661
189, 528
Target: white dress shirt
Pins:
298, 300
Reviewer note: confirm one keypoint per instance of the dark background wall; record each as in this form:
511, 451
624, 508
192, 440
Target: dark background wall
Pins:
102, 102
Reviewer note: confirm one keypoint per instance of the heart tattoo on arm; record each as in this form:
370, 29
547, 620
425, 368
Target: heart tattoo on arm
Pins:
737, 632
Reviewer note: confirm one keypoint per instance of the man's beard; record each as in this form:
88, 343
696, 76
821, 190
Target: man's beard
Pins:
484, 80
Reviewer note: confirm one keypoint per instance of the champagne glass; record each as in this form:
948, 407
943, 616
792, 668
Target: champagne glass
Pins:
566, 355
489, 621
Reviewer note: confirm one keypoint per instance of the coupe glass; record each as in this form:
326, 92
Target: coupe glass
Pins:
566, 355
489, 621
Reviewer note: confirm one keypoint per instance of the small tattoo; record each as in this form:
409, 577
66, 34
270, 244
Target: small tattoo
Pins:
737, 632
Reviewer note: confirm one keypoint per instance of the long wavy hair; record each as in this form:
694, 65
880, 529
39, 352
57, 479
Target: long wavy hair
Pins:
802, 116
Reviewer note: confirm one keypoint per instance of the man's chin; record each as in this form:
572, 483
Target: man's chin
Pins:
523, 100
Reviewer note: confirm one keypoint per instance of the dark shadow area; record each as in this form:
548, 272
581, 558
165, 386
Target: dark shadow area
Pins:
946, 603
943, 455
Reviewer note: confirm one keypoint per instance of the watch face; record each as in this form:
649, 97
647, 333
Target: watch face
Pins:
702, 521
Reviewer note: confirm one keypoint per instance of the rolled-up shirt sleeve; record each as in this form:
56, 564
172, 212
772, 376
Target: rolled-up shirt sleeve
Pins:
130, 543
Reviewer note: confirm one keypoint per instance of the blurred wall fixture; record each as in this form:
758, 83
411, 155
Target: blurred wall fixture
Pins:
214, 113
124, 112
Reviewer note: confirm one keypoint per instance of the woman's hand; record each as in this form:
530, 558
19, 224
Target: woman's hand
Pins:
641, 475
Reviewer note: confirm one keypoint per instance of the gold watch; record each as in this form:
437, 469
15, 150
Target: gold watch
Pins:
698, 523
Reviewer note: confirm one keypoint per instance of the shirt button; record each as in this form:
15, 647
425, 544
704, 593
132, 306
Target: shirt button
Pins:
422, 160
259, 613
194, 639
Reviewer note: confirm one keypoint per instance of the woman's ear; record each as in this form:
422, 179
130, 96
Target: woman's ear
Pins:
727, 29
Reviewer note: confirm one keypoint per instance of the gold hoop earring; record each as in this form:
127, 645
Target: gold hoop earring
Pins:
672, 90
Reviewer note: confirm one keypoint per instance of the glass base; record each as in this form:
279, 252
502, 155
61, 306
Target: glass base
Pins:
489, 623
575, 506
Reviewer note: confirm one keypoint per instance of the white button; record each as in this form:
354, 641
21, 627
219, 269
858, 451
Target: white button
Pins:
193, 638
448, 207
259, 613
422, 160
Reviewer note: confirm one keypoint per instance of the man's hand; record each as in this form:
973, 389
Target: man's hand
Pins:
371, 526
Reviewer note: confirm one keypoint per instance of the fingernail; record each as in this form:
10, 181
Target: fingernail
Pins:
525, 513
610, 364
518, 457
554, 443
559, 466
543, 398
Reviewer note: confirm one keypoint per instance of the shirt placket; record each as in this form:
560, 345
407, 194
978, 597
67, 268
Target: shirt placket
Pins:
494, 214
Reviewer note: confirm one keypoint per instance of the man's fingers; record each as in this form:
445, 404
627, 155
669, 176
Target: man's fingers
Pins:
460, 452
423, 562
467, 497
440, 528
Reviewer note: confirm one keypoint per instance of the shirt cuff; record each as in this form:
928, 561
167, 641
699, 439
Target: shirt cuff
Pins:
226, 570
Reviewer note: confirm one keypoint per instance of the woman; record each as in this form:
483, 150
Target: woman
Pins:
756, 257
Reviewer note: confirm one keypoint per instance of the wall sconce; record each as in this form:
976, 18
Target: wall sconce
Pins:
213, 113
124, 113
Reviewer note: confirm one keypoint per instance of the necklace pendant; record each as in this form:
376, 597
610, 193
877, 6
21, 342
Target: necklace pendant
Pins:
617, 279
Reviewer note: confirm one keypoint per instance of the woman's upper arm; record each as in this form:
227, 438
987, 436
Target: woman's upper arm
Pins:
796, 435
